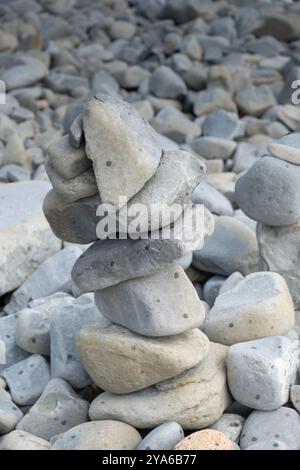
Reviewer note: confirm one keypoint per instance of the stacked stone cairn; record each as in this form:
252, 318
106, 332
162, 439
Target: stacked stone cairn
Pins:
148, 349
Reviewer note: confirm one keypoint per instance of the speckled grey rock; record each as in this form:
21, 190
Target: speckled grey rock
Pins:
282, 424
232, 247
57, 410
64, 324
164, 437
279, 250
267, 189
259, 305
269, 445
10, 414
75, 222
148, 360
231, 425
98, 435
160, 304
260, 372
165, 83
21, 440
27, 379
195, 398
124, 149
51, 276
12, 352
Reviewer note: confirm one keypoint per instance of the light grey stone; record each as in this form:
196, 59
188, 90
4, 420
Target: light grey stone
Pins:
161, 304
282, 424
213, 199
58, 409
124, 149
194, 399
33, 323
244, 157
26, 239
12, 352
64, 324
260, 372
72, 189
224, 125
98, 435
255, 101
231, 425
10, 414
259, 305
214, 147
232, 247
269, 445
174, 124
66, 160
169, 189
279, 250
269, 192
212, 288
27, 379
165, 83
51, 276
24, 75
211, 100
231, 282
148, 360
295, 396
164, 437
21, 440
287, 148
109, 262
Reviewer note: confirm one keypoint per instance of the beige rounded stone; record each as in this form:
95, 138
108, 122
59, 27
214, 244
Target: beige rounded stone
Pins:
208, 439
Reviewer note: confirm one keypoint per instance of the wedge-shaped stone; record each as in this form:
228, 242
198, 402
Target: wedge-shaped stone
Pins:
162, 304
259, 305
58, 409
170, 188
119, 361
123, 147
66, 160
195, 399
74, 222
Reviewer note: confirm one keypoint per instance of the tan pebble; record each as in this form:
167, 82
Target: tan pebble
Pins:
207, 439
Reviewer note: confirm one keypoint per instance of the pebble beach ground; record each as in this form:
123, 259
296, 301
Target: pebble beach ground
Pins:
150, 343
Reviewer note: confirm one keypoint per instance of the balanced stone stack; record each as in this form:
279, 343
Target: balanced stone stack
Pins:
269, 192
150, 357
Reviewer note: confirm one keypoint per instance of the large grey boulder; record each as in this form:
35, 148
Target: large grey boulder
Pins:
26, 239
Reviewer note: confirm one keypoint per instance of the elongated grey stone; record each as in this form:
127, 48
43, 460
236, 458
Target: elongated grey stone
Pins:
66, 160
